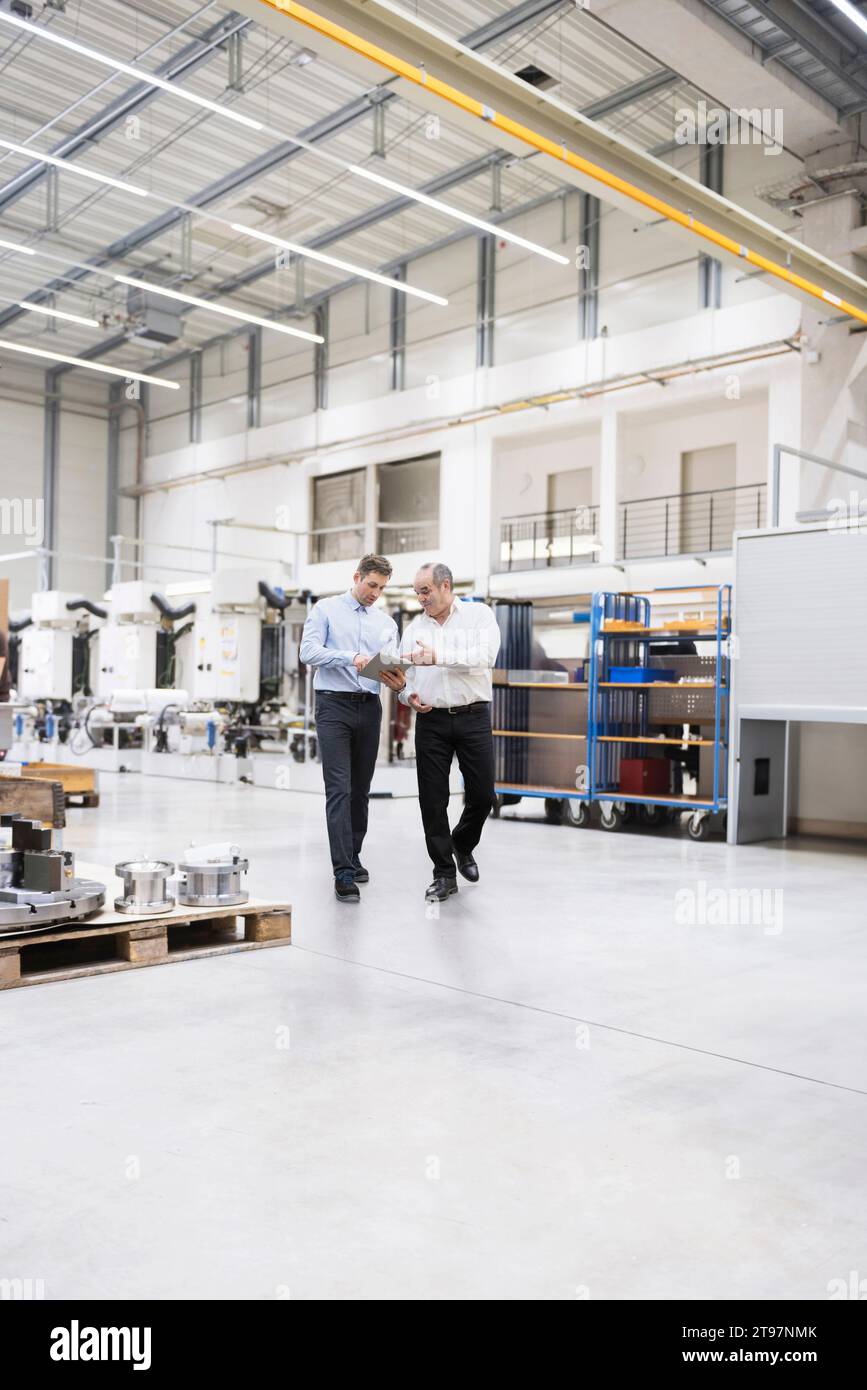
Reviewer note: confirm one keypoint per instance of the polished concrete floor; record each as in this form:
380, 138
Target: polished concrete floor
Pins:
591, 1075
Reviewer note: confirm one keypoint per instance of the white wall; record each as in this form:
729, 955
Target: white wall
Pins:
81, 481
651, 444
21, 417
486, 455
82, 498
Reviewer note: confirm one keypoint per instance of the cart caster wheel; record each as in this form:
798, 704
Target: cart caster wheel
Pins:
497, 807
576, 813
554, 810
698, 827
612, 820
653, 815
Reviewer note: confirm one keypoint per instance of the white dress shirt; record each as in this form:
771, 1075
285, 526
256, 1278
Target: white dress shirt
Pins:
465, 646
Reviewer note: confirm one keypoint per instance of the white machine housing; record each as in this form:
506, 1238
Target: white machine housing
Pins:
127, 655
45, 658
219, 659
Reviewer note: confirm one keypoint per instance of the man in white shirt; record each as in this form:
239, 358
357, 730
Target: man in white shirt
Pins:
453, 645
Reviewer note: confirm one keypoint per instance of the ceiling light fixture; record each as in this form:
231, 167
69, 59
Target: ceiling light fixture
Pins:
296, 247
73, 168
467, 217
40, 32
851, 13
15, 246
89, 366
169, 294
57, 314
217, 308
312, 255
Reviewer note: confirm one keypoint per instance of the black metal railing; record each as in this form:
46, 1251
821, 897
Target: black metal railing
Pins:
399, 537
688, 523
541, 540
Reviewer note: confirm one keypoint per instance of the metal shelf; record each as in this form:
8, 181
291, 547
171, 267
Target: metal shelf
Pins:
658, 685
676, 742
528, 789
517, 733
543, 685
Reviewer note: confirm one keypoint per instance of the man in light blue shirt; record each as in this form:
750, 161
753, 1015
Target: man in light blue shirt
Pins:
340, 637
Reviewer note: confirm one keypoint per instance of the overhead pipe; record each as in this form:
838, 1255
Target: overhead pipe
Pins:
421, 78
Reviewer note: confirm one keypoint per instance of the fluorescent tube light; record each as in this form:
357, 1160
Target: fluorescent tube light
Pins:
40, 32
71, 167
312, 255
14, 246
57, 314
88, 366
218, 308
456, 212
851, 13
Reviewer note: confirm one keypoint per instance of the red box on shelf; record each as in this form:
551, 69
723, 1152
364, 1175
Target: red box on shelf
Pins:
645, 776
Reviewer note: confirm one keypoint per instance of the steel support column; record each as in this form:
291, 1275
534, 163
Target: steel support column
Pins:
195, 397
398, 334
254, 379
486, 304
50, 465
112, 477
709, 268
320, 358
588, 266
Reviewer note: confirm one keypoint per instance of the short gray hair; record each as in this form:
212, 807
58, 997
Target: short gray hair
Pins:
439, 573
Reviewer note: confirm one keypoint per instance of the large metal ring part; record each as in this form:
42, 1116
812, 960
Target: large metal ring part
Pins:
217, 884
21, 909
144, 887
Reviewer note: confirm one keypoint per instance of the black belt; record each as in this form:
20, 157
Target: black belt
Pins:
349, 694
461, 709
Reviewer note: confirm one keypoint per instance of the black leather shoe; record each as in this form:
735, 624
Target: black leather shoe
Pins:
346, 892
361, 874
467, 866
440, 889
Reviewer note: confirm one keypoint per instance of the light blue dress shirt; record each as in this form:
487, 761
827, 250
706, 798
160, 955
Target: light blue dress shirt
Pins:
337, 630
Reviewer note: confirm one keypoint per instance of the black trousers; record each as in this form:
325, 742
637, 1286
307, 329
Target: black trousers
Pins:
347, 729
438, 737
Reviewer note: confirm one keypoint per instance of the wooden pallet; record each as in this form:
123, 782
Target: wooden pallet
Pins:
77, 780
112, 942
35, 799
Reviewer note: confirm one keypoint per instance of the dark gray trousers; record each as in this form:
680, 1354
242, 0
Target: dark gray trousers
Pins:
348, 732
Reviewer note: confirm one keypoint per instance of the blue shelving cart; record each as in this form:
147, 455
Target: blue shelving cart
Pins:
651, 685
517, 747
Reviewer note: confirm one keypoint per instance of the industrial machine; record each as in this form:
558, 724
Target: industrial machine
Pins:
50, 665
38, 887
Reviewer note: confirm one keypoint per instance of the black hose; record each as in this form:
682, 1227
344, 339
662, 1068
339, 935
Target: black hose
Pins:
18, 624
93, 608
174, 613
272, 598
87, 723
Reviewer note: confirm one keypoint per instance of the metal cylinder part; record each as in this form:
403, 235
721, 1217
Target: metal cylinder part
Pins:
144, 886
216, 883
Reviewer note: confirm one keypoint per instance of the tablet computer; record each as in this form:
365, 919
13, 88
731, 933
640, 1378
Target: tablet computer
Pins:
375, 667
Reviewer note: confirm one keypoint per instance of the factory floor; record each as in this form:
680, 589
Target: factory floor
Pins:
583, 1079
